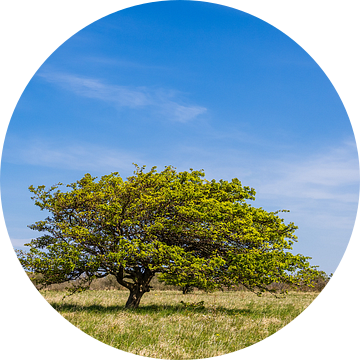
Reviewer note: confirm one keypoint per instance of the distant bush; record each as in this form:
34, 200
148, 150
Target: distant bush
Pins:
107, 283
110, 283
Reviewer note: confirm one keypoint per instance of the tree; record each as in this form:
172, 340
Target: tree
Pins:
191, 231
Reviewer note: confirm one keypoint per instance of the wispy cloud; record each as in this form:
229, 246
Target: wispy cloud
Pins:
330, 175
95, 89
19, 243
87, 157
179, 112
158, 100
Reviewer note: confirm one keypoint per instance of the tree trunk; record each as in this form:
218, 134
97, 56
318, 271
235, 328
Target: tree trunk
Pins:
187, 289
141, 284
134, 299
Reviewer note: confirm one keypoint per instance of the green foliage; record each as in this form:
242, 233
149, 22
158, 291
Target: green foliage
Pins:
193, 232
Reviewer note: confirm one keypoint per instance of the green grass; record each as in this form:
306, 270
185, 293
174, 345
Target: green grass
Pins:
163, 327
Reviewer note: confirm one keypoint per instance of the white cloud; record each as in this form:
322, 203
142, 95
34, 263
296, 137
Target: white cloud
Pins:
331, 175
19, 243
181, 113
83, 156
94, 89
160, 100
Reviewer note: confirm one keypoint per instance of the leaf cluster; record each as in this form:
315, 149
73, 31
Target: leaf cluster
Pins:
193, 232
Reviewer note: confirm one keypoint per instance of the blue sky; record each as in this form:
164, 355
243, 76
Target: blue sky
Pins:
192, 85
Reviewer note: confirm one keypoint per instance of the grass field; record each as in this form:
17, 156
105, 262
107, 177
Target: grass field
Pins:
169, 325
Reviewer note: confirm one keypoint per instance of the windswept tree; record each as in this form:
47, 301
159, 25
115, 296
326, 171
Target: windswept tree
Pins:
191, 231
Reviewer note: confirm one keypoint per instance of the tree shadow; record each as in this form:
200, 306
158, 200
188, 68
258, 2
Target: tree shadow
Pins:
163, 310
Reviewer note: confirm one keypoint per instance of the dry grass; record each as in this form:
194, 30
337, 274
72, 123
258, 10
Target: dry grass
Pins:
164, 328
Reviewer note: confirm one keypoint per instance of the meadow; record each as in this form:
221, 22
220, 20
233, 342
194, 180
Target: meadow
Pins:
170, 325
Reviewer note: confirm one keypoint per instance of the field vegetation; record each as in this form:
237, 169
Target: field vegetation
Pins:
170, 325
